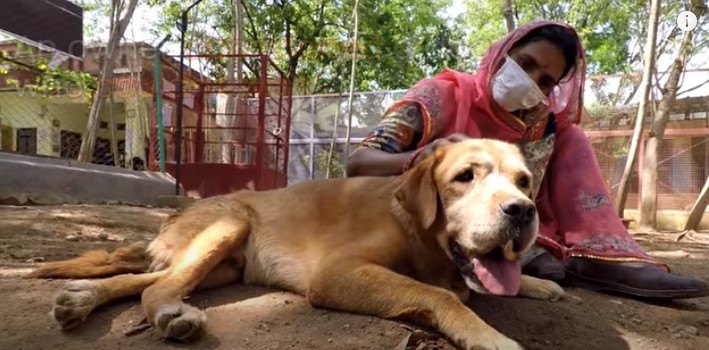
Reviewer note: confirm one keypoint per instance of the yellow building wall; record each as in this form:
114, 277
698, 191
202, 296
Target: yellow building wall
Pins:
20, 109
51, 115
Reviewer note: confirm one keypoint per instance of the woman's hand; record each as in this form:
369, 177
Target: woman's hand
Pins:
374, 162
431, 148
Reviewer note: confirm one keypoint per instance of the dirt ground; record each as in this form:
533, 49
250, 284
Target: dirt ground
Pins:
244, 317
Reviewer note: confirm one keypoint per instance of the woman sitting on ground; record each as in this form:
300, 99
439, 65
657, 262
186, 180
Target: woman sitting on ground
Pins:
529, 91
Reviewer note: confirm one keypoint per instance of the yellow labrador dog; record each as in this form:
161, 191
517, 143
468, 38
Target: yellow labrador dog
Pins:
406, 247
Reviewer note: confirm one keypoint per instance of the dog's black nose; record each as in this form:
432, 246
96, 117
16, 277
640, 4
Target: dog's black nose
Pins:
519, 211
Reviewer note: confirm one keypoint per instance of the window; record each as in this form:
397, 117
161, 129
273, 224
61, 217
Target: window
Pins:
70, 144
27, 141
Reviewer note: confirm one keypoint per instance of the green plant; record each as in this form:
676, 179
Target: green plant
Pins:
50, 81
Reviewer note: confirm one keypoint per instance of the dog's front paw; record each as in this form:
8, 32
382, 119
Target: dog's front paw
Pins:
505, 343
496, 342
536, 288
74, 303
483, 337
180, 322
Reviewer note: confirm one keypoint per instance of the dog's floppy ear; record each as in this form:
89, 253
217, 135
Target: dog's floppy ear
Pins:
418, 194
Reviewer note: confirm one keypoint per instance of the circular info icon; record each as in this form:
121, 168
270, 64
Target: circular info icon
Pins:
686, 21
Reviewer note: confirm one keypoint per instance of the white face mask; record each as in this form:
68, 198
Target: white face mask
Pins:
513, 89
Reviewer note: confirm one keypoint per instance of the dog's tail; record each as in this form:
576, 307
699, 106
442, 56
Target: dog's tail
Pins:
97, 263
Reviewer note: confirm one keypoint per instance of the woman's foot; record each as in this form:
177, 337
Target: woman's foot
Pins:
544, 265
635, 279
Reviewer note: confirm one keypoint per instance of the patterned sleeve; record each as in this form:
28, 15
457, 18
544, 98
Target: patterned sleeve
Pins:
399, 131
413, 121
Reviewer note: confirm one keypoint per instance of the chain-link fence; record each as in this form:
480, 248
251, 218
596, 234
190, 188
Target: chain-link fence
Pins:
45, 111
38, 119
683, 153
36, 124
33, 124
683, 167
611, 154
319, 120
683, 156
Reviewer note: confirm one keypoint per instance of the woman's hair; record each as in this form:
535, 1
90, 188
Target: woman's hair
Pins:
563, 38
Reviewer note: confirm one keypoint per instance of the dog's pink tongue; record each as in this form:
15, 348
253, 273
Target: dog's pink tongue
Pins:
498, 275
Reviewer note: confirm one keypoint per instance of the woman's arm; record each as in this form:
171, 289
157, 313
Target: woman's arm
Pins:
373, 162
391, 147
387, 149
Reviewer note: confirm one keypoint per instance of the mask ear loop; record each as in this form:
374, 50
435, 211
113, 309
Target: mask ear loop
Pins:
557, 100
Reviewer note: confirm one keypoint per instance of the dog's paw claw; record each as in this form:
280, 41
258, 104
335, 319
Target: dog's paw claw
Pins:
74, 303
180, 322
542, 289
554, 291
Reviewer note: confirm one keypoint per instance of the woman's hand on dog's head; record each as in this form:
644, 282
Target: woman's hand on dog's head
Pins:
431, 148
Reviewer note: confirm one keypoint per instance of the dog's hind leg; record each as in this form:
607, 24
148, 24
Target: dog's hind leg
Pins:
162, 301
227, 272
78, 298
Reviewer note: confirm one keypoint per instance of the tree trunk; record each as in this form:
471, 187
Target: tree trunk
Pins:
88, 141
509, 15
695, 216
648, 200
112, 121
111, 110
352, 83
645, 84
136, 72
239, 38
234, 73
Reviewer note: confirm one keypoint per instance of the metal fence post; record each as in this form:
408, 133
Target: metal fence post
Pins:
158, 103
312, 137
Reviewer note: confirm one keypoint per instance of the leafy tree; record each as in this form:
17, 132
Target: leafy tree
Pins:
400, 41
649, 64
607, 27
120, 15
613, 32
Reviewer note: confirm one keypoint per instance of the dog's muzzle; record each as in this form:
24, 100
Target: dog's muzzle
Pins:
497, 272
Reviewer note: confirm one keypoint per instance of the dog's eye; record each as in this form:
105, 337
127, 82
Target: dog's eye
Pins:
523, 182
465, 176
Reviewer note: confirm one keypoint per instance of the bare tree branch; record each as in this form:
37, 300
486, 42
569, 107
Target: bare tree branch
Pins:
693, 88
648, 200
697, 211
636, 85
88, 140
508, 13
254, 33
318, 28
646, 83
289, 51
